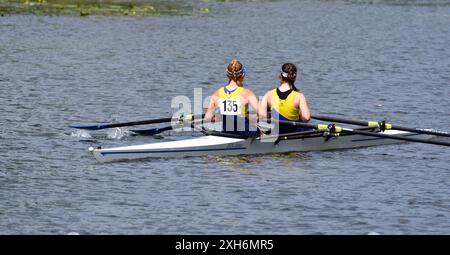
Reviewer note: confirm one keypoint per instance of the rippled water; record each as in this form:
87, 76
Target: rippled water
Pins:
357, 59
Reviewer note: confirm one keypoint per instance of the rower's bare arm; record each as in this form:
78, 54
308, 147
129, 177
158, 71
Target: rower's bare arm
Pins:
253, 101
265, 104
209, 115
305, 115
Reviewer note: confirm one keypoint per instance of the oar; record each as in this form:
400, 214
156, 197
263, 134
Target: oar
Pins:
123, 124
135, 123
151, 131
157, 130
338, 129
389, 126
397, 137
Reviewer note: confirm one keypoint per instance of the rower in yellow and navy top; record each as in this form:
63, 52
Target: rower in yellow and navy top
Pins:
233, 101
286, 102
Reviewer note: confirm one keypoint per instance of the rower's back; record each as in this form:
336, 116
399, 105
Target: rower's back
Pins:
286, 102
233, 101
233, 109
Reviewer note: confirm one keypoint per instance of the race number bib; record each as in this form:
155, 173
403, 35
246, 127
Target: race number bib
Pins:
230, 107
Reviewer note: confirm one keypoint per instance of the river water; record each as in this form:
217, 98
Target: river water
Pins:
362, 60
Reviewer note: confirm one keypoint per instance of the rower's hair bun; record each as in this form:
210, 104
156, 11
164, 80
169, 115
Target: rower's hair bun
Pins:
292, 76
291, 71
234, 68
234, 72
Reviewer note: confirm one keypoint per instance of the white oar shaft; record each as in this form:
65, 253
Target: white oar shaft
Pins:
391, 126
397, 137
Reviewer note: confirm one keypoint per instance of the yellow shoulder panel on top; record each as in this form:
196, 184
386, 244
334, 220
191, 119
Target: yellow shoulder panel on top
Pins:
285, 107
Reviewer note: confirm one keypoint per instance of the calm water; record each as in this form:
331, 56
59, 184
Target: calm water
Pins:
359, 60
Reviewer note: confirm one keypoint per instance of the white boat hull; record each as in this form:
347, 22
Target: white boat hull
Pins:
217, 145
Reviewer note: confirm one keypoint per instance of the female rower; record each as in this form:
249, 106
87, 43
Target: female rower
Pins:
233, 100
286, 102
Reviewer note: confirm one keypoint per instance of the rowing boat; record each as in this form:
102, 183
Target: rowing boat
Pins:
217, 145
318, 137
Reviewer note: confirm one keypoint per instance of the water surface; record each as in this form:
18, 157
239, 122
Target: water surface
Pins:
357, 59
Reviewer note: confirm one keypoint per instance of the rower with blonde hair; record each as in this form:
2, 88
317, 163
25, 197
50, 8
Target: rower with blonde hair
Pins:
233, 100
